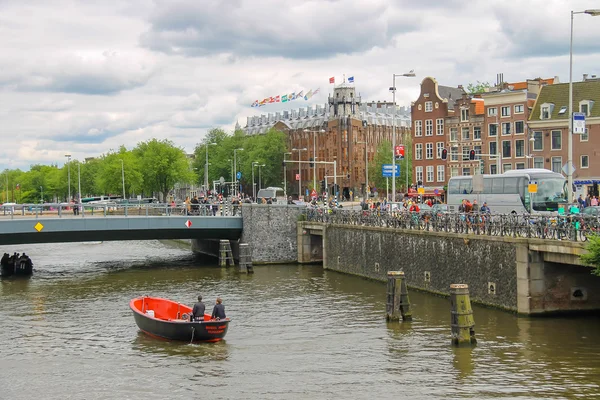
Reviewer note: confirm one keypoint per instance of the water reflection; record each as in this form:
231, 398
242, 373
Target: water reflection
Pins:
197, 352
463, 361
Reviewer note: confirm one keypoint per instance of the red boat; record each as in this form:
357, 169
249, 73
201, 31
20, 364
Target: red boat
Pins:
168, 319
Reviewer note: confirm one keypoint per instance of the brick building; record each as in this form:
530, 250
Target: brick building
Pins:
465, 132
548, 123
342, 130
428, 115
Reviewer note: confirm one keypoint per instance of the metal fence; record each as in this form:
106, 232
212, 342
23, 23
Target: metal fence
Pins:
68, 210
574, 227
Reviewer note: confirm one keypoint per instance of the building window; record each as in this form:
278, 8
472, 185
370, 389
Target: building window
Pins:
430, 173
493, 169
439, 126
466, 171
465, 153
428, 106
584, 137
545, 111
464, 115
520, 165
519, 148
493, 150
506, 148
556, 140
454, 154
506, 167
492, 112
492, 129
557, 164
419, 151
506, 128
465, 134
538, 162
429, 151
477, 133
538, 144
519, 109
428, 127
477, 152
519, 127
419, 173
439, 149
453, 134
418, 128
584, 108
506, 111
441, 173
585, 162
454, 171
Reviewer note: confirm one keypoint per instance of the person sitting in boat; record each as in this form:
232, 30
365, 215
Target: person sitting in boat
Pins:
218, 310
198, 310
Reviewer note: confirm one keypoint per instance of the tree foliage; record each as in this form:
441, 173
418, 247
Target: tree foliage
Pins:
592, 257
384, 155
479, 87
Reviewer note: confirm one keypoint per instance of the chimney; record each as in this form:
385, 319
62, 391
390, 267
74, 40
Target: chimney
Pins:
460, 87
585, 76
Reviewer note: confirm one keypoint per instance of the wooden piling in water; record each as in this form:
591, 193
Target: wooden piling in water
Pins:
462, 321
225, 254
245, 264
398, 304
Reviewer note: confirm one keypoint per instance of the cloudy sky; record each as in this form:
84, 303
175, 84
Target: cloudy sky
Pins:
84, 77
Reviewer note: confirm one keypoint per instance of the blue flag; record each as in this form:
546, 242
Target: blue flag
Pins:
351, 79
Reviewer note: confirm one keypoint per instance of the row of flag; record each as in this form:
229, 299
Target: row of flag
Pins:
286, 98
350, 79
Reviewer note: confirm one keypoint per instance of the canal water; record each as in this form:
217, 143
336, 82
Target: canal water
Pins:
297, 332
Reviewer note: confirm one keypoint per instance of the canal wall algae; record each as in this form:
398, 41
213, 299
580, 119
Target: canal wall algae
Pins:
516, 274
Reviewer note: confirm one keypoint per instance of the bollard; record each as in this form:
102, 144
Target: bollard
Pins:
462, 321
398, 303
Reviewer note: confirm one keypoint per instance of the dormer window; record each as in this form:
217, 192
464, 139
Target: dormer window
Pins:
464, 114
546, 110
585, 106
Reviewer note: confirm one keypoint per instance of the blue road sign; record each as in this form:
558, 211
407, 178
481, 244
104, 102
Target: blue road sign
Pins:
387, 171
239, 175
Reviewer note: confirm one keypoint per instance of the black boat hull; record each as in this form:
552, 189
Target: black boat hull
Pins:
19, 267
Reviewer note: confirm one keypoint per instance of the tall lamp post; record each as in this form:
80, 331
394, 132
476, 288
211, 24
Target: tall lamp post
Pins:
42, 196
285, 174
68, 176
123, 177
235, 168
259, 176
410, 74
314, 153
366, 168
206, 167
254, 164
593, 13
79, 181
299, 170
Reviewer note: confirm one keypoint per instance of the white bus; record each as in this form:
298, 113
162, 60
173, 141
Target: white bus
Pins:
508, 192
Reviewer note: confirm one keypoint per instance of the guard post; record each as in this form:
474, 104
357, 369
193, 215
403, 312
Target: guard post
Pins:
462, 321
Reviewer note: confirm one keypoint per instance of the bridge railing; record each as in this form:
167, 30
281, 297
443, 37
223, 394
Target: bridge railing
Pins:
71, 210
575, 227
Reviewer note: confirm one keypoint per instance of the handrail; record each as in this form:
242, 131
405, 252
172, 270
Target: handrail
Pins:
83, 210
575, 227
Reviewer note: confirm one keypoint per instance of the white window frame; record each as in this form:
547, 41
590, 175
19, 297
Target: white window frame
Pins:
428, 127
490, 130
454, 154
509, 124
429, 106
418, 151
584, 137
505, 111
541, 134
462, 133
536, 161
439, 126
453, 171
524, 150
429, 151
493, 169
492, 156
515, 128
418, 128
429, 173
559, 158
552, 140
454, 132
466, 171
589, 104
492, 111
441, 173
587, 158
502, 152
519, 109
419, 174
464, 115
474, 130
504, 167
519, 163
546, 108
439, 148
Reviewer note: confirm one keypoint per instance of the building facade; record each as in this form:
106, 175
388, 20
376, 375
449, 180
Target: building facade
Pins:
344, 130
548, 123
465, 132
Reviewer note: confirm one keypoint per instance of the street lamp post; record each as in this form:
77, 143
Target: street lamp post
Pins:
235, 168
68, 176
299, 170
285, 174
42, 195
206, 167
259, 176
79, 181
123, 177
366, 169
314, 154
593, 13
410, 74
254, 164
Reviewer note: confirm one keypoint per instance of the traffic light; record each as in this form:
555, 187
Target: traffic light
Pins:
444, 154
311, 163
472, 155
322, 186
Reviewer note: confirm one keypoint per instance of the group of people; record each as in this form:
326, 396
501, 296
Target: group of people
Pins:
589, 201
467, 207
218, 311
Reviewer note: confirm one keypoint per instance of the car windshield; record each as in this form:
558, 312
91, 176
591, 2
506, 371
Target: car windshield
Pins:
550, 193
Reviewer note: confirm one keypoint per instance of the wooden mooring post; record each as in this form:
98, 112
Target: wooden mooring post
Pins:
225, 254
245, 258
462, 321
398, 304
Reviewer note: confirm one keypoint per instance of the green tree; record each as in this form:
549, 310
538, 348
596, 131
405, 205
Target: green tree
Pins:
383, 155
479, 87
592, 257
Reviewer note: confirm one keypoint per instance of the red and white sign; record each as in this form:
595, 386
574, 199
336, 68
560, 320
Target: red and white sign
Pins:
188, 223
314, 193
399, 151
297, 177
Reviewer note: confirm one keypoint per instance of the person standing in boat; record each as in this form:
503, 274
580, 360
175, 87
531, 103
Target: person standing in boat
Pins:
218, 310
198, 310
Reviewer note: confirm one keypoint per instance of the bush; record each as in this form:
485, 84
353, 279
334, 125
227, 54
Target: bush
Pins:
593, 255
